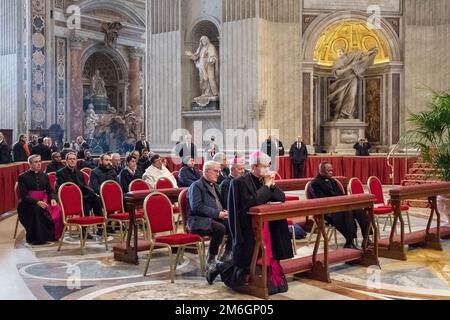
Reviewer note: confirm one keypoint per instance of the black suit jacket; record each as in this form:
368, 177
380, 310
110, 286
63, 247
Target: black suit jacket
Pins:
267, 146
243, 196
298, 155
362, 150
141, 146
42, 150
19, 153
5, 153
64, 175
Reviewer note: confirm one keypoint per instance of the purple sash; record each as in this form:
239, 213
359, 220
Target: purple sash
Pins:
55, 212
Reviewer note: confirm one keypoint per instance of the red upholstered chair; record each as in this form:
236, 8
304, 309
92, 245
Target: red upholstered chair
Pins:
71, 200
159, 216
356, 187
17, 194
139, 185
87, 170
52, 178
86, 177
278, 177
376, 188
112, 199
330, 230
164, 183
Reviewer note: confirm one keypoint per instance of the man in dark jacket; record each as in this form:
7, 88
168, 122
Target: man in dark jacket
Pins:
88, 161
324, 186
237, 170
70, 173
42, 150
253, 189
5, 150
104, 172
21, 151
224, 170
298, 154
56, 163
144, 161
129, 173
142, 144
362, 148
207, 216
187, 148
188, 173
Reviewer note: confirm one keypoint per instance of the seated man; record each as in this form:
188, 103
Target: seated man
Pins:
144, 161
38, 210
116, 163
157, 171
56, 163
188, 173
104, 172
129, 173
237, 170
71, 174
206, 214
224, 170
253, 189
89, 161
324, 186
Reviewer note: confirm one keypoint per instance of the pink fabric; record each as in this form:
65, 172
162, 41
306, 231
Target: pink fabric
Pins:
55, 212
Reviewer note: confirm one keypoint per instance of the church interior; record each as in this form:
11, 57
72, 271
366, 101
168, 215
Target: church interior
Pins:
145, 145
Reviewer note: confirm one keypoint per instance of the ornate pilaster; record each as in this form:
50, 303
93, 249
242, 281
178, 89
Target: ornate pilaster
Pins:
76, 80
135, 59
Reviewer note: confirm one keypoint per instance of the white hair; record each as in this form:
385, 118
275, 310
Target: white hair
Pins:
236, 161
260, 158
32, 157
218, 157
208, 165
115, 155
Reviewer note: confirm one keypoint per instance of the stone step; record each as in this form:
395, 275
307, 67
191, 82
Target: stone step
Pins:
417, 203
417, 182
422, 165
421, 176
429, 171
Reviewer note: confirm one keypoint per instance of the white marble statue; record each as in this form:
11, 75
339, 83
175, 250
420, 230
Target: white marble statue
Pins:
91, 121
348, 70
98, 85
206, 60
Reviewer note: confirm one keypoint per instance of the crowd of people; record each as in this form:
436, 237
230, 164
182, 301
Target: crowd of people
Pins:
218, 197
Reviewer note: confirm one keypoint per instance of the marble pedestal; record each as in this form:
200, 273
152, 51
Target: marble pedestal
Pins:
342, 134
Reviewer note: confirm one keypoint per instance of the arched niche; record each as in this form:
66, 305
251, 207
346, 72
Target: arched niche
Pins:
380, 89
203, 27
114, 71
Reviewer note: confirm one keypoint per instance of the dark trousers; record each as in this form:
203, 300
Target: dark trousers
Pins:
92, 203
299, 170
219, 230
345, 223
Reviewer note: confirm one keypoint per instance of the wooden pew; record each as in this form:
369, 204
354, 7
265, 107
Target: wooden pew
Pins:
128, 252
394, 246
316, 266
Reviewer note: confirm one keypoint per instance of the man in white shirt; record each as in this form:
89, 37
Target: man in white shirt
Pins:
157, 171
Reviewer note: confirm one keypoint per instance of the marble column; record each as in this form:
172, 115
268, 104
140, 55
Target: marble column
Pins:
76, 85
134, 94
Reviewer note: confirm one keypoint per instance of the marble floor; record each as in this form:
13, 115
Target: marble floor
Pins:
43, 273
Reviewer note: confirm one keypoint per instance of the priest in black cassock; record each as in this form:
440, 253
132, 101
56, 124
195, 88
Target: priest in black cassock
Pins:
38, 210
253, 189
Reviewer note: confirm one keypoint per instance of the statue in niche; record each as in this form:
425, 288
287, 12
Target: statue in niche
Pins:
98, 85
206, 60
348, 70
91, 122
111, 31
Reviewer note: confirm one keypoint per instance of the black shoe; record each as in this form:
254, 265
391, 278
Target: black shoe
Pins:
89, 236
211, 274
226, 256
